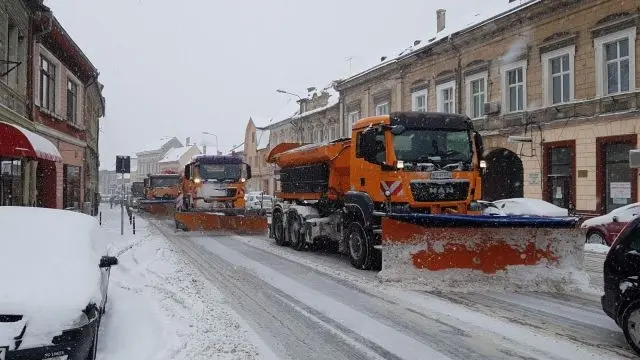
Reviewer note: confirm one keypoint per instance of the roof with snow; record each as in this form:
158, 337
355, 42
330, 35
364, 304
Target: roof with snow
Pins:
467, 21
157, 145
174, 154
334, 98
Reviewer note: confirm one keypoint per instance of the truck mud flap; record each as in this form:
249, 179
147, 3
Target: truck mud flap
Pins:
237, 224
445, 250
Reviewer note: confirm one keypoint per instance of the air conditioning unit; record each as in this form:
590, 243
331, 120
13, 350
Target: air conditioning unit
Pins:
492, 108
634, 158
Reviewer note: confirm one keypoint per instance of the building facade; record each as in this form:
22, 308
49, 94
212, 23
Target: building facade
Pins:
47, 157
149, 157
551, 85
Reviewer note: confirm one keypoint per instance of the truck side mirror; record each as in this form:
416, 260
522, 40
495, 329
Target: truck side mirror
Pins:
479, 144
187, 172
368, 145
248, 171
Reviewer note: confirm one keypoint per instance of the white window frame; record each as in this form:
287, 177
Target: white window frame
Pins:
439, 88
468, 80
547, 83
601, 70
414, 99
379, 106
352, 117
505, 90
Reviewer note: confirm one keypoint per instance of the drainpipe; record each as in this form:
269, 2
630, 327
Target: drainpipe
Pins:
459, 87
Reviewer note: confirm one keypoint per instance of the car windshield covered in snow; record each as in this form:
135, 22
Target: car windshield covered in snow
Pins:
220, 171
164, 181
422, 145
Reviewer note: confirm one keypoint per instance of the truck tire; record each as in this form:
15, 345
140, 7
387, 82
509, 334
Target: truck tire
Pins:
278, 228
361, 250
295, 234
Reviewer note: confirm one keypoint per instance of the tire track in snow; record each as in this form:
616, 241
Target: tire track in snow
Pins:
527, 313
454, 341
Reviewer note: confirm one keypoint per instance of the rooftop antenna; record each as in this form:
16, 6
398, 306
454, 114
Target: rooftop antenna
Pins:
350, 60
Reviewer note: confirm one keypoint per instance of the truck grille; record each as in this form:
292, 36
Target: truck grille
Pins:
445, 190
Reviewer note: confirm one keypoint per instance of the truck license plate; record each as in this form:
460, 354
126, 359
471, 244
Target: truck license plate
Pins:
437, 175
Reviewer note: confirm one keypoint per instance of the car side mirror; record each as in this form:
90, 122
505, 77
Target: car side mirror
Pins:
108, 261
615, 218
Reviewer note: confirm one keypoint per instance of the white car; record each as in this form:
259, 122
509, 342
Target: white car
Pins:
530, 207
259, 201
54, 284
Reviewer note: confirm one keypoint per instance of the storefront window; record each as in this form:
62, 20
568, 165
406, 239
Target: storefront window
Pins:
11, 182
71, 186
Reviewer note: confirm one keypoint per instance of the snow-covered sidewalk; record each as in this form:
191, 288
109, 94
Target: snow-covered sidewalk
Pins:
159, 307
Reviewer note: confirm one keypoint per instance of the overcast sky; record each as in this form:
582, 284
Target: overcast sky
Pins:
178, 68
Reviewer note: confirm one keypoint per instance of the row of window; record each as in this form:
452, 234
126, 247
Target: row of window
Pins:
615, 73
49, 89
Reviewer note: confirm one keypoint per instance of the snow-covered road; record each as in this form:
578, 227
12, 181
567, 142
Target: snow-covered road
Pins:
316, 306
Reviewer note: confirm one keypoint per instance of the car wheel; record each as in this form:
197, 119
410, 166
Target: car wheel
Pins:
631, 325
596, 237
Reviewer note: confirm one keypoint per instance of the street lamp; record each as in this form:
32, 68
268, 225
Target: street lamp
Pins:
286, 92
215, 136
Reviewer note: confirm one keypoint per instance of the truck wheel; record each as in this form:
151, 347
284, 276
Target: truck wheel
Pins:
631, 325
278, 229
295, 235
360, 247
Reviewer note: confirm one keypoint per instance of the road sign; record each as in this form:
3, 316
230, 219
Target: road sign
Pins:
123, 164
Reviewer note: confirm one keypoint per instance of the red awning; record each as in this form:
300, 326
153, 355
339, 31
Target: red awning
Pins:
16, 141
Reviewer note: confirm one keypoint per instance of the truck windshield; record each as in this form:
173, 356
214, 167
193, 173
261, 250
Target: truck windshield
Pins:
220, 172
164, 182
421, 145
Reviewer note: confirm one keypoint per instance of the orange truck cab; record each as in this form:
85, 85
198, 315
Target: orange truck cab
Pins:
162, 186
214, 182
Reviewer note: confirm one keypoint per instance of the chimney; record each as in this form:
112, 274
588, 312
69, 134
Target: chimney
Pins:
440, 19
188, 141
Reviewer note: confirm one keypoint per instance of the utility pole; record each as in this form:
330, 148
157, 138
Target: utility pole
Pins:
122, 208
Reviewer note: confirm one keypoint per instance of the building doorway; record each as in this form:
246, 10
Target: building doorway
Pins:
559, 166
616, 182
504, 175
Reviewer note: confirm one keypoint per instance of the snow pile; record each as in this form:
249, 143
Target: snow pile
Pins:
158, 299
624, 213
596, 248
48, 265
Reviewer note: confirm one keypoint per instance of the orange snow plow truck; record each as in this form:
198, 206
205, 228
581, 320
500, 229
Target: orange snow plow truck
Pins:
212, 198
402, 193
160, 193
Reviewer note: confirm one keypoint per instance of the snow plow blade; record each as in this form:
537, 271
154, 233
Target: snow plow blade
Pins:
249, 224
157, 207
456, 249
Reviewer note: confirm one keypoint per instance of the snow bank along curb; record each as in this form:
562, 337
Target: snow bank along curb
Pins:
198, 323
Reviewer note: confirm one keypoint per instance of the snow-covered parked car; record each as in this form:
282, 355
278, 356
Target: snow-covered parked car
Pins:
530, 207
491, 209
54, 283
605, 228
